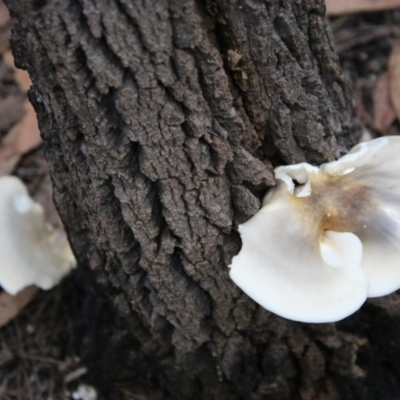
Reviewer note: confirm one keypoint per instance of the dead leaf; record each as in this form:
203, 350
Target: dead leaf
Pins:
384, 112
394, 78
10, 306
75, 374
44, 196
25, 135
11, 111
21, 139
5, 27
21, 76
4, 16
337, 7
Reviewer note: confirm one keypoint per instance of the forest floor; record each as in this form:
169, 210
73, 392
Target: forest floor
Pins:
60, 346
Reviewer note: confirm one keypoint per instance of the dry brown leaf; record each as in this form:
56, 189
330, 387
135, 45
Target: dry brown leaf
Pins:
337, 7
10, 306
384, 113
21, 76
44, 196
394, 78
5, 27
4, 16
21, 139
25, 135
11, 111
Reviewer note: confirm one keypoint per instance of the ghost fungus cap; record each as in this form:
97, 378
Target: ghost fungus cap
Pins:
326, 238
31, 254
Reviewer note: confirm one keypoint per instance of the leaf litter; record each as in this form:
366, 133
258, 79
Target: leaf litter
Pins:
394, 78
338, 7
38, 330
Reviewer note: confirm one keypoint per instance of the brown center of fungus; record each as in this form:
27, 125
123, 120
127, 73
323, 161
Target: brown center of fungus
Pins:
336, 203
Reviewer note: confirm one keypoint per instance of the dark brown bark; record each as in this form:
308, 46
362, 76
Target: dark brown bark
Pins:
162, 121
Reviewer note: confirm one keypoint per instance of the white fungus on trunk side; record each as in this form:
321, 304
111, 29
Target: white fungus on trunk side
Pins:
325, 238
31, 252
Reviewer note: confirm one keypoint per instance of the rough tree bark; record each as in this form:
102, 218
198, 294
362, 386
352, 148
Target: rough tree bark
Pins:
162, 121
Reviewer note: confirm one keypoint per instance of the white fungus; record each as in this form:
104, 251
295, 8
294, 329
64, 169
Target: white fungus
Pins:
31, 253
85, 392
318, 248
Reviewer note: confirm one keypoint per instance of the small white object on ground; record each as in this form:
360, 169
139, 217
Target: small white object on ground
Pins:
85, 392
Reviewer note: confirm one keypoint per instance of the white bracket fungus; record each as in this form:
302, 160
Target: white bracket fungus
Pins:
315, 251
30, 252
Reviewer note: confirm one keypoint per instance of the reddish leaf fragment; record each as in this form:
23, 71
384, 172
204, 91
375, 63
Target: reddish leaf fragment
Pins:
337, 7
11, 111
44, 196
21, 76
394, 78
384, 113
4, 16
21, 139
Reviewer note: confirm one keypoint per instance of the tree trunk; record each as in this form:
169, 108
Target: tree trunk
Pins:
163, 120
